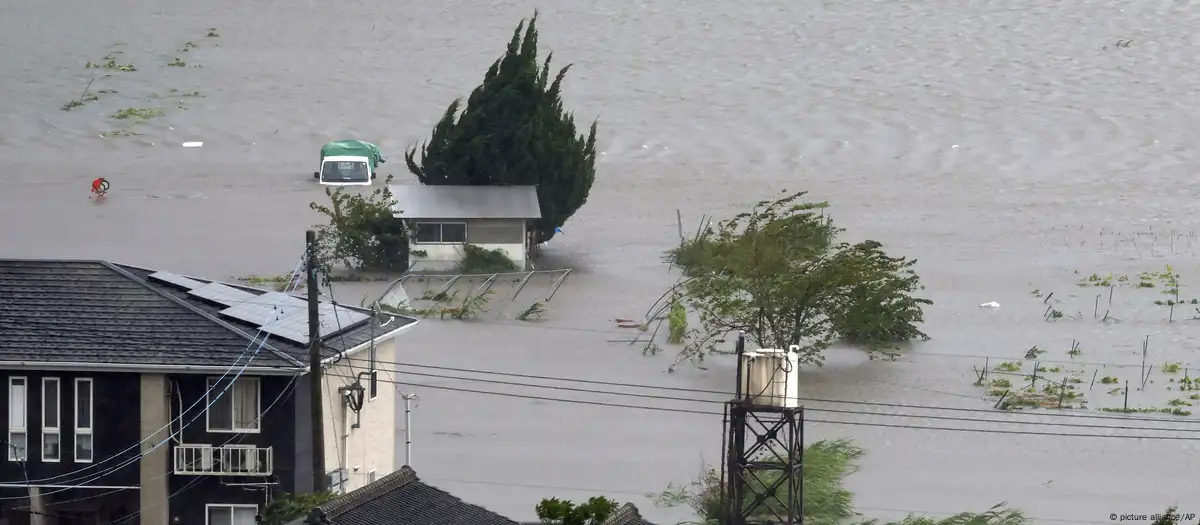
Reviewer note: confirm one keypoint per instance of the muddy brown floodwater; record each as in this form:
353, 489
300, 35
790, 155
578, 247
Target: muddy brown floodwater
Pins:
1007, 145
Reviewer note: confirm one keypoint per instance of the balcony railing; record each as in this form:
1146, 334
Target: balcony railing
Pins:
229, 460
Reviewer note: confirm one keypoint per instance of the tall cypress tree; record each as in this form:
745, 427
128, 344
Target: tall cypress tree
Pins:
514, 131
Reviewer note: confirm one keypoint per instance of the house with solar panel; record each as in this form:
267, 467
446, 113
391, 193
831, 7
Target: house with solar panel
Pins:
138, 396
442, 220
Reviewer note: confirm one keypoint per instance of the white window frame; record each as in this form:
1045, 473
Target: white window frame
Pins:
371, 476
89, 430
23, 428
417, 226
55, 430
229, 394
208, 507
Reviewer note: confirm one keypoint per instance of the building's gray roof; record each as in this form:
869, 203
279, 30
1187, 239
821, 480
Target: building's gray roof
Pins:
466, 202
400, 498
98, 312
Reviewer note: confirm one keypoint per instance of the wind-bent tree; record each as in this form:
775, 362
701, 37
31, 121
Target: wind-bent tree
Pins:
778, 274
362, 232
514, 131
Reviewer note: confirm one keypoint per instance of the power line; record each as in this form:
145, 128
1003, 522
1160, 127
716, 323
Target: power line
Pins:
170, 424
807, 409
807, 419
810, 399
913, 355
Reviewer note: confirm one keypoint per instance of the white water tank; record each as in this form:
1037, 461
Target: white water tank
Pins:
770, 377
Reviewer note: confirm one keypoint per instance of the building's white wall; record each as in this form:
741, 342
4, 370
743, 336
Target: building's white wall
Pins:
373, 444
453, 252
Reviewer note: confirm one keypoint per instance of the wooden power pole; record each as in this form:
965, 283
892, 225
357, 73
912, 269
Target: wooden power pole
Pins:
314, 365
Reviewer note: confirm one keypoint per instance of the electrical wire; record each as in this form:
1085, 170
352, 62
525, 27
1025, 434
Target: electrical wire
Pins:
806, 419
810, 399
807, 409
63, 478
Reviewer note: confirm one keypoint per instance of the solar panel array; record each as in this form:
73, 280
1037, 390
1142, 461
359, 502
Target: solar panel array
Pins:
294, 327
177, 280
223, 294
265, 308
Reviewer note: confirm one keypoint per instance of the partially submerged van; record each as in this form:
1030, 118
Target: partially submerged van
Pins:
348, 163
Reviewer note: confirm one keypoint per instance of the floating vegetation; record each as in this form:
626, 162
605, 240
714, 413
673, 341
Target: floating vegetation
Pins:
177, 62
212, 33
1109, 380
119, 133
110, 62
1116, 391
1001, 383
72, 105
1175, 411
1033, 352
1178, 403
1075, 351
178, 93
137, 113
1009, 367
187, 46
1171, 368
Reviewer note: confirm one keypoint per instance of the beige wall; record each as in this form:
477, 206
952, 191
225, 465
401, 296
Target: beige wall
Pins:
373, 444
155, 414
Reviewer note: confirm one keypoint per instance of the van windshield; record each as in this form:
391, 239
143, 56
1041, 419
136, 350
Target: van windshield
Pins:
345, 172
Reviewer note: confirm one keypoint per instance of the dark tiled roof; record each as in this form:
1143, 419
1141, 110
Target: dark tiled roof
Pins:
104, 313
626, 515
400, 498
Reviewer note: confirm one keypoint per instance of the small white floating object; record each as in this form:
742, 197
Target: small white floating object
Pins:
992, 304
192, 144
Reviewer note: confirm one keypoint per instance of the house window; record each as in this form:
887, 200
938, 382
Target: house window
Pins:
371, 476
84, 448
51, 415
230, 514
18, 432
441, 232
233, 407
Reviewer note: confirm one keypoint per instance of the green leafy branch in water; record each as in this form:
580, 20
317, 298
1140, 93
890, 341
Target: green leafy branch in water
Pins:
447, 305
677, 324
535, 312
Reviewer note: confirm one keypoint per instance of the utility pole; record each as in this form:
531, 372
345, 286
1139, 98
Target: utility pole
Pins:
408, 428
314, 364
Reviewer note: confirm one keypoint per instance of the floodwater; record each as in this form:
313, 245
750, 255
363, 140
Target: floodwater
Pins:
1007, 145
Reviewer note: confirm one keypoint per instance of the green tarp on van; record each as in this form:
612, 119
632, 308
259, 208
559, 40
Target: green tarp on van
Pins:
353, 148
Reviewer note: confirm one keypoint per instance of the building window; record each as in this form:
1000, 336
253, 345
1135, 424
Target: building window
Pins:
233, 408
84, 448
230, 514
51, 414
371, 476
18, 431
441, 232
